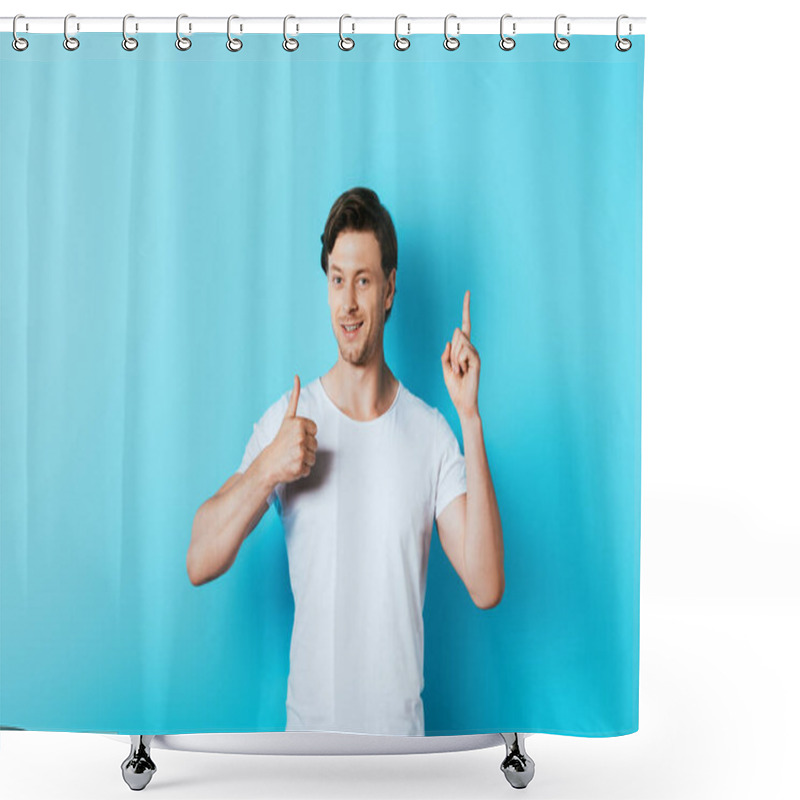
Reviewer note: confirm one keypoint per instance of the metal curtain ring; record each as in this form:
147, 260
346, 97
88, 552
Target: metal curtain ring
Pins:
345, 42
506, 42
623, 45
70, 42
181, 42
560, 43
128, 42
18, 43
288, 43
233, 44
451, 42
400, 42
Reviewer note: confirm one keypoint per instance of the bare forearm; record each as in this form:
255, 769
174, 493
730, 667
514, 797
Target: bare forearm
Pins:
225, 520
483, 544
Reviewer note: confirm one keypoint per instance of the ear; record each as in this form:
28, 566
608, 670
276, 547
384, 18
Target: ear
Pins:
390, 289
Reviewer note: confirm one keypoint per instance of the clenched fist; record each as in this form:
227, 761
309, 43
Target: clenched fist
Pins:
293, 451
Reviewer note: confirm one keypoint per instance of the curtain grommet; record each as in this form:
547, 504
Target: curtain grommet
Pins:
233, 44
451, 42
128, 42
289, 44
182, 42
18, 43
345, 42
561, 43
400, 42
70, 42
507, 42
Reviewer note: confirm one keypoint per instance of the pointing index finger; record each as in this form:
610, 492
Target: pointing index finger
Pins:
465, 323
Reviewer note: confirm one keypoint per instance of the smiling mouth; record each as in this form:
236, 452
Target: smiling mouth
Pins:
352, 328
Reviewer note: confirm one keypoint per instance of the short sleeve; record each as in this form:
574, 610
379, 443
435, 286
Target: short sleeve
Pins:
264, 431
452, 475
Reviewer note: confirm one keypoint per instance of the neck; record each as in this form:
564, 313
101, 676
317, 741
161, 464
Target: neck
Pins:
362, 392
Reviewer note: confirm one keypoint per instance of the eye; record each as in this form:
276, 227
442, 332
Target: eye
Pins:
365, 280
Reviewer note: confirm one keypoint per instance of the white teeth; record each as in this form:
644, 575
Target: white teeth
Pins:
351, 327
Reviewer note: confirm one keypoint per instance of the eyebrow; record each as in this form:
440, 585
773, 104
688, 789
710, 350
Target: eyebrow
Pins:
334, 268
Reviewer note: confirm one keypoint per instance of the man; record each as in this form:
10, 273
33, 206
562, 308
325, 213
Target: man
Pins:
360, 466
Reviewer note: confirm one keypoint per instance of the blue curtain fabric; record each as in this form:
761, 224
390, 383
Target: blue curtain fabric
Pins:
161, 285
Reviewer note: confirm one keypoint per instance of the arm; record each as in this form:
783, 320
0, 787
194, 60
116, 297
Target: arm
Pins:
470, 529
225, 520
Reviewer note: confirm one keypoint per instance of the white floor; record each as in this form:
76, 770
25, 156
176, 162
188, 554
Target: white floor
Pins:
719, 702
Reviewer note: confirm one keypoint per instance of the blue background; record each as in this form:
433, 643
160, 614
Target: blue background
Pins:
160, 285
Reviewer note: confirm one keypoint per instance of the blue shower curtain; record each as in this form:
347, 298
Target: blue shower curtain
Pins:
161, 286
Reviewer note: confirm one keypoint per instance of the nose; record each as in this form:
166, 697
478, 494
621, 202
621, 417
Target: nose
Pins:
350, 298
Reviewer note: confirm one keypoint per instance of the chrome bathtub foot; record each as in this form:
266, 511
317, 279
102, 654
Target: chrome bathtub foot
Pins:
138, 767
517, 766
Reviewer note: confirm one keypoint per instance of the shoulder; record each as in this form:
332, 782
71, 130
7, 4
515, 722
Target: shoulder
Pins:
309, 398
424, 413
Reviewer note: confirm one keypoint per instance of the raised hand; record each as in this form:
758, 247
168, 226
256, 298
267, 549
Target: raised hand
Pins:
292, 452
461, 366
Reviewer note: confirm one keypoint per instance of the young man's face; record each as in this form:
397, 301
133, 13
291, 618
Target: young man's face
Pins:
358, 293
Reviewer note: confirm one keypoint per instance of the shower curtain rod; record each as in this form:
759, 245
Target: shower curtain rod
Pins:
406, 25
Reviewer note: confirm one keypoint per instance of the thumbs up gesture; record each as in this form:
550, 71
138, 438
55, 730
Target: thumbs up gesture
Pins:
293, 451
461, 367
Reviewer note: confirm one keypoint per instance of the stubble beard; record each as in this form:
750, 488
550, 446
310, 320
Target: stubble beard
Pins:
357, 355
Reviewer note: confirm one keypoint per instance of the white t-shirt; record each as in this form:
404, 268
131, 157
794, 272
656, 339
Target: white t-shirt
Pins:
358, 532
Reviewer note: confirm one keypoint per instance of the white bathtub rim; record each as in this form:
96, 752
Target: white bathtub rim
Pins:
317, 743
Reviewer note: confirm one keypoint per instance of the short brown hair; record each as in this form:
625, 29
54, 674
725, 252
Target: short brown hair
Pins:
359, 209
